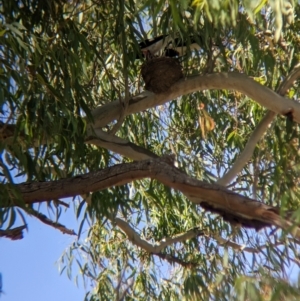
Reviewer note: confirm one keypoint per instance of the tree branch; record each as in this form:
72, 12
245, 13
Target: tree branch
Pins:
120, 146
228, 243
230, 81
156, 249
233, 207
260, 130
13, 234
135, 238
44, 219
247, 153
236, 81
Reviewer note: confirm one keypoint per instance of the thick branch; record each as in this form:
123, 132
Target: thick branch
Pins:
229, 81
232, 206
235, 81
258, 132
247, 153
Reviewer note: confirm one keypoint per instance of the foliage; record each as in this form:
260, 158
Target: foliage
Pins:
59, 60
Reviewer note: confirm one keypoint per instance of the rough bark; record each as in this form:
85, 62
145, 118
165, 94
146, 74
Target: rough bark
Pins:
232, 206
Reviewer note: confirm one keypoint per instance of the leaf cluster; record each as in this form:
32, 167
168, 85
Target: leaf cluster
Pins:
59, 60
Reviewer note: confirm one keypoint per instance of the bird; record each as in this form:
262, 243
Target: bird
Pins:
179, 46
165, 45
169, 52
152, 47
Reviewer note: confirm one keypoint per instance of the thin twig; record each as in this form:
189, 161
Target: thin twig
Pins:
173, 259
13, 234
59, 202
159, 246
135, 238
44, 219
232, 244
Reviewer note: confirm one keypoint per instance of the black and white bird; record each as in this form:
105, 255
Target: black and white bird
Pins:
165, 45
152, 47
179, 46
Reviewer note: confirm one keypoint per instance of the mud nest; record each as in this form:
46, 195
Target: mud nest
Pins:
161, 73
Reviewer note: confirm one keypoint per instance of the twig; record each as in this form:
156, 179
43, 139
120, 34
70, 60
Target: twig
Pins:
233, 245
129, 286
117, 126
44, 219
135, 238
173, 259
59, 202
156, 249
13, 234
119, 145
141, 27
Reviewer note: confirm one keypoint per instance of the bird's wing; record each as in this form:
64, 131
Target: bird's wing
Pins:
154, 45
181, 46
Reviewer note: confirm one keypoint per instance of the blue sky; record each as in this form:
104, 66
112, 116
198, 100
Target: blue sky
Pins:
29, 266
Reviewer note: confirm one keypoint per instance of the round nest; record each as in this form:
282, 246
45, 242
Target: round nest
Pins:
161, 73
